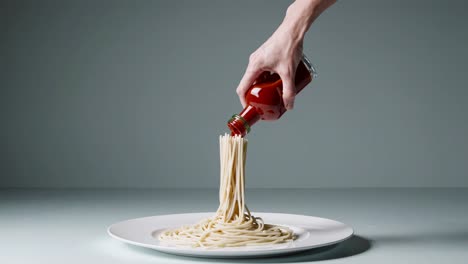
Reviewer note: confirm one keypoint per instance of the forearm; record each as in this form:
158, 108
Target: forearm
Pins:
282, 51
301, 14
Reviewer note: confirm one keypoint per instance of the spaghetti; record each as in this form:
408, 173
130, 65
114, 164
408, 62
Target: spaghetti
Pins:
233, 225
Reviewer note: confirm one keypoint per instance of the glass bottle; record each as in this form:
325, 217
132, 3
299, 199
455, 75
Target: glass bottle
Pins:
264, 98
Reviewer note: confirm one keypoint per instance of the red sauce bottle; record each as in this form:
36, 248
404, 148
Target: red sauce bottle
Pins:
264, 98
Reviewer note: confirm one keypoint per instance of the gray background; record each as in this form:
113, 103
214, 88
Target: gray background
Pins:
135, 94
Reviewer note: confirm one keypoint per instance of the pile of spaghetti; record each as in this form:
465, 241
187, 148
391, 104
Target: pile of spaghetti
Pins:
233, 225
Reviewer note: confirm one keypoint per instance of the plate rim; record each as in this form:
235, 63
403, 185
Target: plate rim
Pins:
227, 254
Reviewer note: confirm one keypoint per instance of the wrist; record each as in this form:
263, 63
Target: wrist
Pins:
299, 17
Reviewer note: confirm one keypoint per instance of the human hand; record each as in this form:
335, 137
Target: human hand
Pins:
281, 54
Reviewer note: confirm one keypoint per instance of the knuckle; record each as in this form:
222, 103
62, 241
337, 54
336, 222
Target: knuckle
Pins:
288, 93
252, 57
255, 61
288, 96
285, 72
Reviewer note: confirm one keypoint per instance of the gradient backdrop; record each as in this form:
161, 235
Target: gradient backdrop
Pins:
135, 94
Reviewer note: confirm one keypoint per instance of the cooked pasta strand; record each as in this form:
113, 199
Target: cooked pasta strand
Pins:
233, 225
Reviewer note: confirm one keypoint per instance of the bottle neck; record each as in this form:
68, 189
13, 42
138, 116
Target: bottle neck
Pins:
240, 124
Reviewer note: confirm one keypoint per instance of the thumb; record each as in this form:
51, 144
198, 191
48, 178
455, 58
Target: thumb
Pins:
289, 91
249, 77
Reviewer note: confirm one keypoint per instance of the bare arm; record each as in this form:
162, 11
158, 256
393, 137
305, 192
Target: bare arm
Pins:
282, 52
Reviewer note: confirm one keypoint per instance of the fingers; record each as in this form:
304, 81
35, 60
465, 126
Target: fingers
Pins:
250, 75
286, 69
289, 90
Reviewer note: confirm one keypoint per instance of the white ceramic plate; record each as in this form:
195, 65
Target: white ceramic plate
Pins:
312, 232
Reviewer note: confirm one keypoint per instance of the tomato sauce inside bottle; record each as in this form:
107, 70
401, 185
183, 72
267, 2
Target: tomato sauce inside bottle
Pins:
264, 98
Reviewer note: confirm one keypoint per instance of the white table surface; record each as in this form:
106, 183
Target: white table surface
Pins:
391, 225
